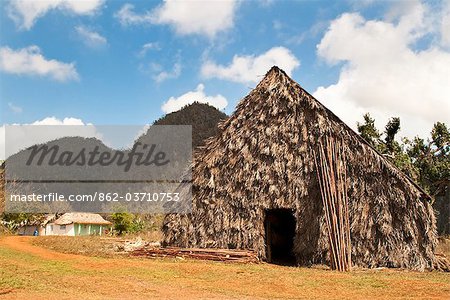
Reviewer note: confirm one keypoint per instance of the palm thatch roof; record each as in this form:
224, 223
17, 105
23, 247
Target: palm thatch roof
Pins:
81, 218
262, 158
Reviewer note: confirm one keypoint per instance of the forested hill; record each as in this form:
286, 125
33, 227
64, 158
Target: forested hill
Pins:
203, 118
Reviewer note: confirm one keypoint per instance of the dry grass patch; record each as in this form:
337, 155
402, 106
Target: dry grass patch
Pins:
100, 246
29, 272
85, 245
444, 246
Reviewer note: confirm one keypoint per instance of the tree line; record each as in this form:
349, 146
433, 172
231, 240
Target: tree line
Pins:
426, 161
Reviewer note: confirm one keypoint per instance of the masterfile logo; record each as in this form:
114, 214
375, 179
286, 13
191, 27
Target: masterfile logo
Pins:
146, 156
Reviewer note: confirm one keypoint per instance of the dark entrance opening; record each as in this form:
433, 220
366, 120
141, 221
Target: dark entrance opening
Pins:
280, 232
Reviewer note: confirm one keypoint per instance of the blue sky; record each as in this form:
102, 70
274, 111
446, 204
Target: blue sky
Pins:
120, 62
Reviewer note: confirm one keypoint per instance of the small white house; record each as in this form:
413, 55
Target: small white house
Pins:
74, 224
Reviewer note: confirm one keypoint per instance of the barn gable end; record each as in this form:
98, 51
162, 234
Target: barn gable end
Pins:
262, 160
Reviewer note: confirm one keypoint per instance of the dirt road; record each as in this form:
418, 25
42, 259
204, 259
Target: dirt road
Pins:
31, 272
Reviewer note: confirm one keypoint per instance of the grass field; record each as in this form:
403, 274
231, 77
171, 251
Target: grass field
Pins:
84, 245
28, 271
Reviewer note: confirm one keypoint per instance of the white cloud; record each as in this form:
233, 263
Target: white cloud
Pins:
26, 12
176, 103
164, 75
23, 139
312, 32
445, 25
250, 68
14, 108
159, 73
186, 17
203, 17
147, 47
127, 16
30, 61
56, 121
91, 38
383, 74
21, 136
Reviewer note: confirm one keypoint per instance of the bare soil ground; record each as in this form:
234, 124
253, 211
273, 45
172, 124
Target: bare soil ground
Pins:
29, 271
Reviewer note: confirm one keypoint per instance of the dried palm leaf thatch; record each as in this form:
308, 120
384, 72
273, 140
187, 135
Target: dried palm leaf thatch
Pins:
261, 159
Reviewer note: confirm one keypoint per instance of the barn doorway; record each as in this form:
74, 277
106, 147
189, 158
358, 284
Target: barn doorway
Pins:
280, 233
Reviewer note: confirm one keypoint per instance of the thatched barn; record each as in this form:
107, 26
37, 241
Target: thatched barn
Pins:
255, 187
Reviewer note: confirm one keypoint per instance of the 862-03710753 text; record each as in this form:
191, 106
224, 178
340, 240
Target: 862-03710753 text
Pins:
101, 197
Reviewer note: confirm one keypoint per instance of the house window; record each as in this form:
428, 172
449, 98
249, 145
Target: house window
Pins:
62, 227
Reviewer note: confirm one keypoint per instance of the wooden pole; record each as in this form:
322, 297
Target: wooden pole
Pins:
331, 173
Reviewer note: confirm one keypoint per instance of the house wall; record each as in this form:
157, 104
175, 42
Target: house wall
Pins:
54, 229
41, 230
73, 229
88, 229
48, 229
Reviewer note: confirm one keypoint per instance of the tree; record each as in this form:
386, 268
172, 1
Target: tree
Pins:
425, 161
391, 130
431, 158
126, 222
368, 130
13, 221
122, 221
395, 151
388, 147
